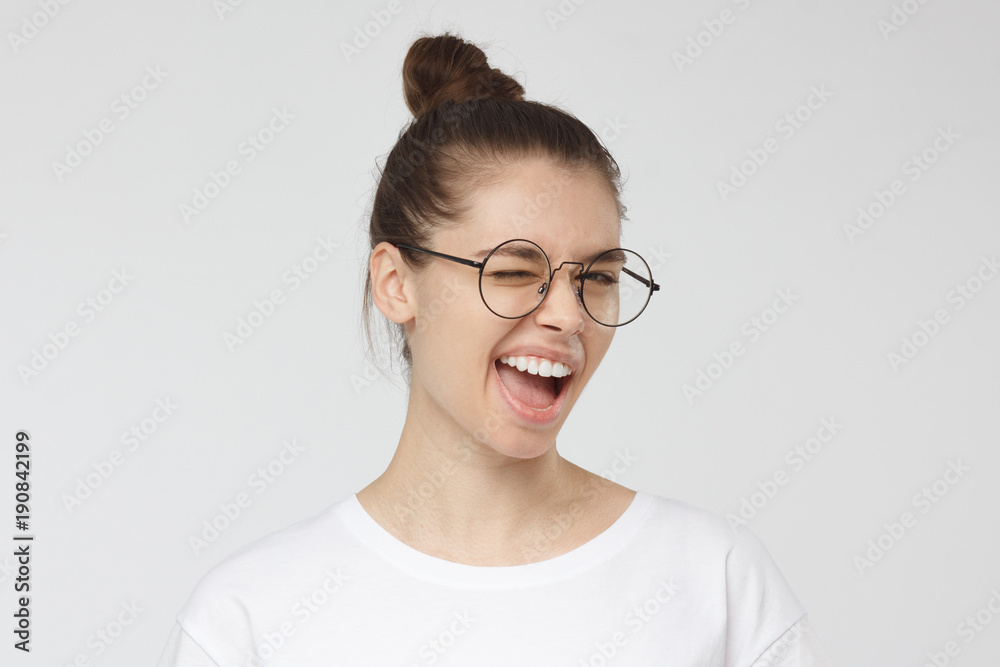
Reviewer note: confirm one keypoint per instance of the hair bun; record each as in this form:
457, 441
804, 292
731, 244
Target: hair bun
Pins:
446, 67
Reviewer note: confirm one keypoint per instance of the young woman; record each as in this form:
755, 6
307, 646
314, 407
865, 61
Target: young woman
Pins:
496, 254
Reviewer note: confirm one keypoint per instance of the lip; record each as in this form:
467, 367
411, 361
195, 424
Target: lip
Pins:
526, 412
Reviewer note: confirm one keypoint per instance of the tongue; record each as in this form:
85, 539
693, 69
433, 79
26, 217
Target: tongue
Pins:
532, 390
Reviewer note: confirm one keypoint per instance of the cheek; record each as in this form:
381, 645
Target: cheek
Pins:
439, 310
453, 327
450, 295
597, 345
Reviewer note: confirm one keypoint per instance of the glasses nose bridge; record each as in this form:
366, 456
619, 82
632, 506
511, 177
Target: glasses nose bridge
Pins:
576, 288
580, 264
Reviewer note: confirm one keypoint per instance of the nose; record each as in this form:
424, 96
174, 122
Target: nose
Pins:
562, 308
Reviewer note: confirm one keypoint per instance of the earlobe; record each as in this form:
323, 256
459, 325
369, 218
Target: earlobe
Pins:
390, 283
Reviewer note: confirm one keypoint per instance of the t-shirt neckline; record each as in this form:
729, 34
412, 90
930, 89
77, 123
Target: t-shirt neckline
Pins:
460, 575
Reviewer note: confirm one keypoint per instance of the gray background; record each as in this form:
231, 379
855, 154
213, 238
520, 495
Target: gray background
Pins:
677, 131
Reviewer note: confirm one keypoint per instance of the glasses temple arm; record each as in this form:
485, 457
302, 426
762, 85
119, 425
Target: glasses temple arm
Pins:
640, 279
467, 262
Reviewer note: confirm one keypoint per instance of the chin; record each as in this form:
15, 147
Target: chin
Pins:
523, 443
524, 452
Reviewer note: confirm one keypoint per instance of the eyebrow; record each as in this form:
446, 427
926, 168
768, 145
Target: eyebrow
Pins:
530, 253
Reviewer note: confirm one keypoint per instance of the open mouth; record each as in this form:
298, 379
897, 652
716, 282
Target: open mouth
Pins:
535, 387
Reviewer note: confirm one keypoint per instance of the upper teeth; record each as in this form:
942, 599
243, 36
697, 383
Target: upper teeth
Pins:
537, 366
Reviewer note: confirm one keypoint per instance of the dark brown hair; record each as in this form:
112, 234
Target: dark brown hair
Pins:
470, 122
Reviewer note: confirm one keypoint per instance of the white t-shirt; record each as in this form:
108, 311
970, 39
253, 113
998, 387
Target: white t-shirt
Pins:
667, 584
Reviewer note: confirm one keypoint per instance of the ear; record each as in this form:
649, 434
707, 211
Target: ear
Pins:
391, 283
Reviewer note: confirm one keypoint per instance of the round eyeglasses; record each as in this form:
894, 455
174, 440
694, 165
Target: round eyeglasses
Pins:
515, 277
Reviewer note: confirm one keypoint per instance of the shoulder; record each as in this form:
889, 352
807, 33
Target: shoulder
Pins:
729, 567
281, 550
255, 585
697, 526
709, 543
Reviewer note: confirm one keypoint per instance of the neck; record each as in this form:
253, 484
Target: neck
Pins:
449, 494
467, 484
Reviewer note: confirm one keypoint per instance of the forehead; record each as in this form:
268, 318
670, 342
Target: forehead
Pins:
563, 211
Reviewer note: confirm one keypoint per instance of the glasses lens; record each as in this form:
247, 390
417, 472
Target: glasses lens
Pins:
617, 287
512, 278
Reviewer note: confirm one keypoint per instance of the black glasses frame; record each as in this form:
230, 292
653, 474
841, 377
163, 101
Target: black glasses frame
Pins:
653, 287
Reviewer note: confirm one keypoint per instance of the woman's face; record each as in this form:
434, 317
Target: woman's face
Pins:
458, 382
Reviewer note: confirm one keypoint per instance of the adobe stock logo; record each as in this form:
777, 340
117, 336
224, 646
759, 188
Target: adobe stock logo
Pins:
705, 38
961, 294
899, 17
562, 12
914, 167
105, 636
296, 275
968, 630
106, 467
796, 457
30, 26
302, 610
637, 618
437, 646
121, 107
58, 341
217, 181
924, 500
231, 509
723, 361
787, 126
363, 37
